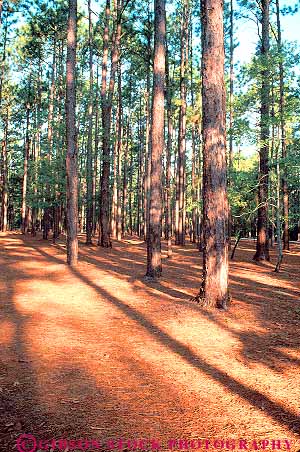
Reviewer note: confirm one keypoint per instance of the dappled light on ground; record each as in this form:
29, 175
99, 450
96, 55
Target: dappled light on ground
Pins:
98, 352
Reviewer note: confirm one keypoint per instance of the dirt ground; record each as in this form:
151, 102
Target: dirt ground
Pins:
97, 352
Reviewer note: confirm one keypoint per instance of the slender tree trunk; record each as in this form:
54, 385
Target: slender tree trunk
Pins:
71, 157
4, 206
194, 157
106, 123
130, 185
262, 243
147, 133
47, 210
124, 206
89, 162
113, 227
154, 266
96, 156
25, 172
278, 210
286, 244
119, 161
104, 239
168, 159
231, 88
180, 188
214, 290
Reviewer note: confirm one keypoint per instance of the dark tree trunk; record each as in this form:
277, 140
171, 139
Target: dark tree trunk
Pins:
214, 289
168, 159
71, 157
4, 206
262, 243
119, 161
124, 205
147, 132
25, 172
154, 267
89, 160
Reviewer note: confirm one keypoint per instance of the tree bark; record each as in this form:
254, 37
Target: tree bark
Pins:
286, 244
4, 206
25, 171
106, 120
89, 159
168, 159
154, 266
214, 290
180, 186
262, 243
71, 157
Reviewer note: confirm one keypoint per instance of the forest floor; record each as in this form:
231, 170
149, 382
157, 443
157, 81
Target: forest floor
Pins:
97, 352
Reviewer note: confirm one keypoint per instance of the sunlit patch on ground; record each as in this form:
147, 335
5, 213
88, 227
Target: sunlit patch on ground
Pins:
99, 349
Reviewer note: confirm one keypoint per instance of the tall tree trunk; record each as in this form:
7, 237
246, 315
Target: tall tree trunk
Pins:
4, 206
113, 222
214, 289
130, 183
154, 267
286, 244
119, 161
125, 182
96, 156
278, 211
180, 188
231, 87
104, 239
147, 131
47, 210
71, 157
106, 121
194, 156
25, 171
262, 243
168, 157
89, 161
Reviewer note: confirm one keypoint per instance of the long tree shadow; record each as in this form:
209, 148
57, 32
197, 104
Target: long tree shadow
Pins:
257, 346
28, 405
260, 401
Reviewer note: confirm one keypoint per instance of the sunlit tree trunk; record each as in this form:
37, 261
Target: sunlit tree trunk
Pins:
154, 267
71, 157
214, 289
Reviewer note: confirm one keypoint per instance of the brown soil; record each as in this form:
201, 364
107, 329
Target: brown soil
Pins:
98, 352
